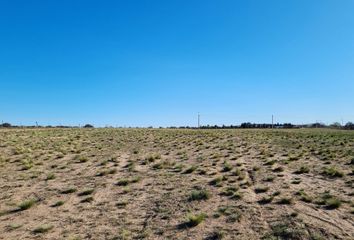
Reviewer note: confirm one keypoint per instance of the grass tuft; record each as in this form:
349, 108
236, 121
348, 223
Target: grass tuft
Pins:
198, 195
43, 228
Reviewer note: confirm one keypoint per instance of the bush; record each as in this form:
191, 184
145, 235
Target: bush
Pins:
349, 126
227, 167
216, 181
6, 125
302, 169
278, 169
43, 229
285, 200
198, 195
304, 196
266, 200
261, 189
231, 213
26, 204
332, 172
86, 192
88, 199
123, 182
332, 203
50, 176
217, 235
190, 169
68, 190
195, 220
58, 204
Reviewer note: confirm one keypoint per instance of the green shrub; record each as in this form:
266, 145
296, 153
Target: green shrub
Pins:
43, 228
26, 204
198, 195
285, 200
126, 181
88, 199
229, 191
195, 220
50, 176
232, 213
302, 169
269, 178
266, 200
304, 196
123, 182
86, 192
270, 162
227, 167
278, 169
332, 203
261, 189
217, 235
68, 190
216, 181
332, 172
27, 164
190, 169
58, 204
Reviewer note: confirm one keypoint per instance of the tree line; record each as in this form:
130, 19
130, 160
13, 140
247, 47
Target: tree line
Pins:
246, 125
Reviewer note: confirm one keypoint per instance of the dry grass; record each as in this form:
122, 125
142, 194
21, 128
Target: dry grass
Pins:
176, 184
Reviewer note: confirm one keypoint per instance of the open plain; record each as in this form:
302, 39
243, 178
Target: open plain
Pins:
176, 184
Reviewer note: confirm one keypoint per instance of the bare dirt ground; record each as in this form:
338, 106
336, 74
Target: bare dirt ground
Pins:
176, 184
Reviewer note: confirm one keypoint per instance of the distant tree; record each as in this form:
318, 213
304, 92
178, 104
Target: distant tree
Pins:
336, 125
288, 125
318, 125
6, 125
349, 126
245, 125
88, 126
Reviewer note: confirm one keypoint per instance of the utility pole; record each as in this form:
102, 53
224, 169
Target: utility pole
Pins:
272, 121
198, 120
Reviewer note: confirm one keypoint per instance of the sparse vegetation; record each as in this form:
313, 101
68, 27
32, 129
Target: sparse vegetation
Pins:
302, 169
216, 181
332, 172
68, 190
197, 195
50, 176
285, 200
190, 169
142, 183
227, 167
26, 204
195, 220
86, 192
42, 229
261, 189
58, 204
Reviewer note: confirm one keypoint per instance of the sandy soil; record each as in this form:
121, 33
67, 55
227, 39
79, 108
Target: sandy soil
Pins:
176, 184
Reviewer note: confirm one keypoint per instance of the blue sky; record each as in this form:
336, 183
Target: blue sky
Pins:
159, 63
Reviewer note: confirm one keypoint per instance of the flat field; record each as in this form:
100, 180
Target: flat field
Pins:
176, 184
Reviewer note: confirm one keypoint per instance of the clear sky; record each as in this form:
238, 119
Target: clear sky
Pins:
159, 62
